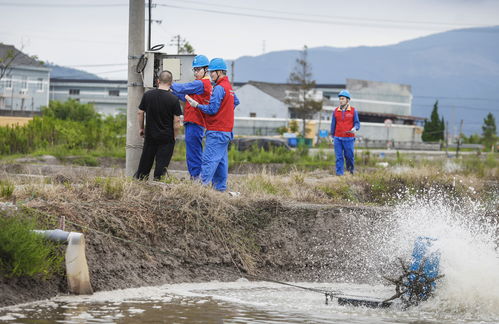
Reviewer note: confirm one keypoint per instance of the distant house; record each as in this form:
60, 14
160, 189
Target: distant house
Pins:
109, 97
384, 109
24, 86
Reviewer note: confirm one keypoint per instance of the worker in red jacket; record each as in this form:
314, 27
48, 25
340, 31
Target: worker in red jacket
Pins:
219, 117
344, 124
194, 120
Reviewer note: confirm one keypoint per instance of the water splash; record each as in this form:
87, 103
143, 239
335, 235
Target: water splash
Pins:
466, 233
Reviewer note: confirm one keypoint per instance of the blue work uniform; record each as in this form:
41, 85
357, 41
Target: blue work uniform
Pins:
219, 124
342, 122
194, 123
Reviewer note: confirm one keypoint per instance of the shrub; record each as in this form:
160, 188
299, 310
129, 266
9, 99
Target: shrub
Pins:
25, 253
113, 188
6, 189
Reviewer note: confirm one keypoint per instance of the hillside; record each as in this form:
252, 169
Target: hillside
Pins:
460, 68
62, 72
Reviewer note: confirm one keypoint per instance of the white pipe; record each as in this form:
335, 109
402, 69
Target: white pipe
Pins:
76, 260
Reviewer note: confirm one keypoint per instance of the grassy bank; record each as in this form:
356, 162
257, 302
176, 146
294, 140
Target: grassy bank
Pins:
23, 252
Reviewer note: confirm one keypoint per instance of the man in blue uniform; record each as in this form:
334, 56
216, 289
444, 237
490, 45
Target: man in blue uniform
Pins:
344, 124
194, 121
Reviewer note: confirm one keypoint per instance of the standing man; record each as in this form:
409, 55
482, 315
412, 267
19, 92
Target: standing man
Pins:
219, 124
344, 123
163, 112
194, 123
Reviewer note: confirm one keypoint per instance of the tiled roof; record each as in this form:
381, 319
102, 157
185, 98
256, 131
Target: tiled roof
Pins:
20, 57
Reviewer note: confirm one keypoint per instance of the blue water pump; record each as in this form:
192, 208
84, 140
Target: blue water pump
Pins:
418, 280
424, 268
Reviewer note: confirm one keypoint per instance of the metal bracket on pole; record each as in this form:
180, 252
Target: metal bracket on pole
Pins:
133, 57
135, 84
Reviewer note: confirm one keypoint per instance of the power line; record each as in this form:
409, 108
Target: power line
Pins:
96, 65
313, 21
61, 5
457, 98
301, 14
458, 107
353, 21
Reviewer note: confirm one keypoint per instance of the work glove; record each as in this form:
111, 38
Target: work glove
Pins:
352, 131
193, 102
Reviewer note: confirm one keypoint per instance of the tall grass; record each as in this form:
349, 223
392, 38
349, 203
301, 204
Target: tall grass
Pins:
65, 126
6, 189
23, 252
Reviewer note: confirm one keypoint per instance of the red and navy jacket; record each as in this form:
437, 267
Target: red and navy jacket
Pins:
219, 113
343, 121
199, 90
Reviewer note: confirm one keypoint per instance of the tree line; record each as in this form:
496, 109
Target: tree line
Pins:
434, 130
70, 125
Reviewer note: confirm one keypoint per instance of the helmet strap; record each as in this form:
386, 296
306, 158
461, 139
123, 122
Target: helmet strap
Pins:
218, 76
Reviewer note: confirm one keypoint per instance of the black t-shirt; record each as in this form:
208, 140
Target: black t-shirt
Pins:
160, 106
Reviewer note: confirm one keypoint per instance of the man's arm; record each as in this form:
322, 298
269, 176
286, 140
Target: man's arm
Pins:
333, 124
140, 121
176, 126
182, 89
215, 100
356, 121
236, 101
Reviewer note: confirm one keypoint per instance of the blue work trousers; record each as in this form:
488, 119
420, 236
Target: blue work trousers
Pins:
193, 148
343, 149
215, 162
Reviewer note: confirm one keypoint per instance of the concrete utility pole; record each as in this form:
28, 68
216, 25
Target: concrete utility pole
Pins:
232, 72
136, 31
149, 33
459, 138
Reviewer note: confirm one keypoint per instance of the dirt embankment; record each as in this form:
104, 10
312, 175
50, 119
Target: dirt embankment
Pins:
182, 233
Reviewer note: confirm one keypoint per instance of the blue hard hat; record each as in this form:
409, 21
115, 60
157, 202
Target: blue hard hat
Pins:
217, 64
344, 93
200, 61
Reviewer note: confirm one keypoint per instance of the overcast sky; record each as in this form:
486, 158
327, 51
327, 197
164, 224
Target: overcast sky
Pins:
81, 33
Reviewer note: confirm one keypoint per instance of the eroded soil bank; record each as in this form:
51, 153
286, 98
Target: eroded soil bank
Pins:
182, 233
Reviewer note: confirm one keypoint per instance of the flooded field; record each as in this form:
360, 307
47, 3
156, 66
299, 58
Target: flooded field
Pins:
235, 302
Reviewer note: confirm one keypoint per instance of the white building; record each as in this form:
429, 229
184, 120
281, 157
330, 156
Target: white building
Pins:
108, 97
384, 109
24, 86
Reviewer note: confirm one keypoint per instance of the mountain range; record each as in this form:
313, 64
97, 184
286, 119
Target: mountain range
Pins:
459, 68
63, 72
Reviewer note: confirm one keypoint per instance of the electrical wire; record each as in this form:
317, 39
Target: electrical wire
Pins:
357, 22
61, 5
301, 14
457, 98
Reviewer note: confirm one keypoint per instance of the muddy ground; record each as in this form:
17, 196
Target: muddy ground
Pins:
283, 241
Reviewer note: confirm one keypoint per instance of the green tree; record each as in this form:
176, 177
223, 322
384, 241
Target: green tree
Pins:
183, 46
489, 131
7, 60
301, 98
434, 128
472, 139
70, 110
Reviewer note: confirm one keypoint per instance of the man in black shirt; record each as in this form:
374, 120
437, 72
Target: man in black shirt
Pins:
162, 110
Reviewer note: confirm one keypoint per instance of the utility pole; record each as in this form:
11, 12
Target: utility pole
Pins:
459, 138
177, 41
150, 22
232, 72
135, 85
447, 139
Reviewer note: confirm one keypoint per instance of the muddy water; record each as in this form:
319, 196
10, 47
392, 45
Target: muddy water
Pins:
236, 302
